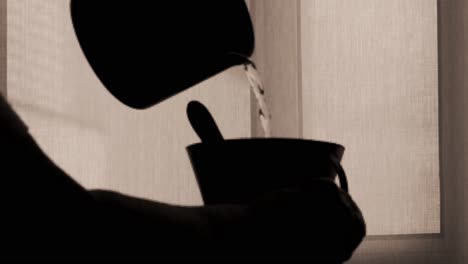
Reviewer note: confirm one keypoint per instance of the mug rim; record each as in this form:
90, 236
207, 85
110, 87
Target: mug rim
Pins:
273, 139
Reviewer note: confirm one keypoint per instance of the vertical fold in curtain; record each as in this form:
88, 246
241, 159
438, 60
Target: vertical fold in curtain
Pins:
453, 48
3, 47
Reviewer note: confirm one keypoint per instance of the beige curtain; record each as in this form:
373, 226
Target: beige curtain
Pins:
369, 82
363, 74
413, 32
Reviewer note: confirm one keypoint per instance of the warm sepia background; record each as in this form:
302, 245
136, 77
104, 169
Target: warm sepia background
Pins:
385, 78
368, 80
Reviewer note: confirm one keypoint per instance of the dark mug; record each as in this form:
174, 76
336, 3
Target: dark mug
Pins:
240, 170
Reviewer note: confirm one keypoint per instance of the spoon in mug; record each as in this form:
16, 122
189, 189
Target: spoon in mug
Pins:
203, 123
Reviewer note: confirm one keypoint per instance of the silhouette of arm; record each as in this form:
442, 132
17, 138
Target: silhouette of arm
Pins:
320, 223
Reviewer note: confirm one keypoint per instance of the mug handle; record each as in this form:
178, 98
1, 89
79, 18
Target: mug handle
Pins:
341, 173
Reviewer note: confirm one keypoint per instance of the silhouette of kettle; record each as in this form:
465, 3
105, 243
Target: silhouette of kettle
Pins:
146, 51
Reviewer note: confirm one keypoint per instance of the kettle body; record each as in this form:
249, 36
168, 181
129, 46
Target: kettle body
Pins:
146, 51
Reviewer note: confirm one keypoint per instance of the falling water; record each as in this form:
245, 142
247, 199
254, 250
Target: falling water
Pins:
259, 92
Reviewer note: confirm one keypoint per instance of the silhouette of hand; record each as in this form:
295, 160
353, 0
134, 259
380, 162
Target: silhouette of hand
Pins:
321, 222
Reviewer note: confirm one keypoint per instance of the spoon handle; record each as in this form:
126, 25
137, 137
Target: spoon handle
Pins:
203, 123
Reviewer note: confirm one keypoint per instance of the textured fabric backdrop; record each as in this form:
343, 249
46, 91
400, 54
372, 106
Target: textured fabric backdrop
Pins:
364, 74
369, 82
